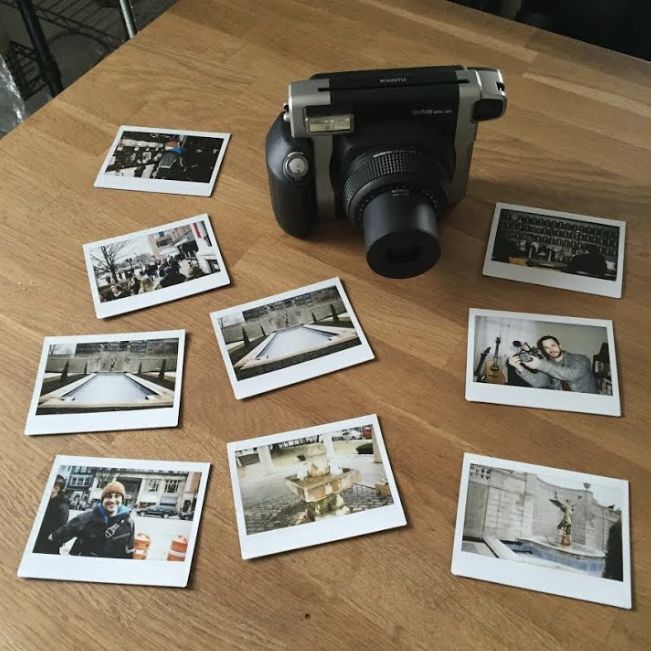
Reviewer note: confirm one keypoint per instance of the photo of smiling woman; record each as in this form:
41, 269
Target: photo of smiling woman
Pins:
105, 531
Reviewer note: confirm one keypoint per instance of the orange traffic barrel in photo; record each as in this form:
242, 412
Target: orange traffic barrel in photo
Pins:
142, 543
177, 549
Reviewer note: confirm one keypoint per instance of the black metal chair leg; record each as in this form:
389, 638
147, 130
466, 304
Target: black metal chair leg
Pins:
47, 63
126, 11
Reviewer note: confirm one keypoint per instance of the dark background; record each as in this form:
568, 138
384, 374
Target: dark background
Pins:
622, 25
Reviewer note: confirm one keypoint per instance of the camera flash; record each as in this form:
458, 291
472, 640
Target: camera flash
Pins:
330, 124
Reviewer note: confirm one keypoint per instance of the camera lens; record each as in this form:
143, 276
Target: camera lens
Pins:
395, 197
401, 235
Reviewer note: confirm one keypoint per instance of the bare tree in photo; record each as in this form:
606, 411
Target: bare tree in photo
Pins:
107, 263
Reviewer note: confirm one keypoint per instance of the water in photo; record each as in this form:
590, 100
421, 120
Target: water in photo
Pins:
557, 524
101, 376
287, 332
541, 528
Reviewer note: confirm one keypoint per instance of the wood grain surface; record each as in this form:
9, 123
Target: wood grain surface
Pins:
575, 138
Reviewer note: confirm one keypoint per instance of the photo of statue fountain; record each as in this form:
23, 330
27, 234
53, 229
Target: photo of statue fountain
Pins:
541, 528
514, 516
318, 480
565, 525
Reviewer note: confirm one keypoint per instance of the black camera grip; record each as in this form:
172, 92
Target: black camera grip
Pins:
292, 197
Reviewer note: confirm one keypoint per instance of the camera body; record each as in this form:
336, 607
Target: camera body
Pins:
388, 150
527, 352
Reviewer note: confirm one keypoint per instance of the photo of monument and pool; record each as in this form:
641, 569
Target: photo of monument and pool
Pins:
529, 518
311, 479
103, 376
286, 332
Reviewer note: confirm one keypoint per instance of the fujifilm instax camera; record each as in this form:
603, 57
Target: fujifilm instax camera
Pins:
389, 150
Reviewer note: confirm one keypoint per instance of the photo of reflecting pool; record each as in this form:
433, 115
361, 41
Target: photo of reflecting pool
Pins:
286, 332
109, 376
110, 388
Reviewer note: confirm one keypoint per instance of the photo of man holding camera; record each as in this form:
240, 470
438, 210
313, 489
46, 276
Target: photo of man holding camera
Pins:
548, 366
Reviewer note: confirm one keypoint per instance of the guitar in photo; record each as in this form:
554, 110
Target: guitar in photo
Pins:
493, 373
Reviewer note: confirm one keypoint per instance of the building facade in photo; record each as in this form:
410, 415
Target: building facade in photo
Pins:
134, 356
513, 506
143, 488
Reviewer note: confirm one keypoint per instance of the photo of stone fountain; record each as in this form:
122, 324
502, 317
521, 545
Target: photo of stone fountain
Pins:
526, 518
319, 485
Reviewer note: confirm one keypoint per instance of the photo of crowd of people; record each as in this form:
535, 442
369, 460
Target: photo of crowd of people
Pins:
180, 254
163, 160
167, 156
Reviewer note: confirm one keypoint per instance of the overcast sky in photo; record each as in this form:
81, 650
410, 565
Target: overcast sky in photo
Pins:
605, 495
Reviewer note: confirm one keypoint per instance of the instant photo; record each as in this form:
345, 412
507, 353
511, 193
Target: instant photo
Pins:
95, 383
540, 360
154, 266
290, 337
544, 529
556, 249
313, 486
98, 517
163, 160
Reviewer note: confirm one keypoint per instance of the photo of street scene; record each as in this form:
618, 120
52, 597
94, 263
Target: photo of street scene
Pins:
311, 479
153, 260
108, 376
531, 353
168, 156
561, 524
119, 513
286, 332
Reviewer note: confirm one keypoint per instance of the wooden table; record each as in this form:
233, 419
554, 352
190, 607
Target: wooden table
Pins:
575, 137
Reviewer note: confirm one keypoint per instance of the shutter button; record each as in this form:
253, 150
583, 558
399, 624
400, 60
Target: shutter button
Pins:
296, 165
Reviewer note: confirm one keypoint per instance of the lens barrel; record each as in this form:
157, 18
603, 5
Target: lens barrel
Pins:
395, 197
401, 234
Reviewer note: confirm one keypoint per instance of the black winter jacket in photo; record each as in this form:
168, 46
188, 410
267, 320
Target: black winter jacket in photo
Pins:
98, 534
56, 515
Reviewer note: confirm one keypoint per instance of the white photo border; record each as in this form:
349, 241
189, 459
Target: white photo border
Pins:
324, 531
541, 579
104, 180
535, 397
303, 370
545, 277
98, 421
165, 294
113, 570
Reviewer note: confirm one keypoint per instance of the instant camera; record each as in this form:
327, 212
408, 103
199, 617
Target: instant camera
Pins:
388, 150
